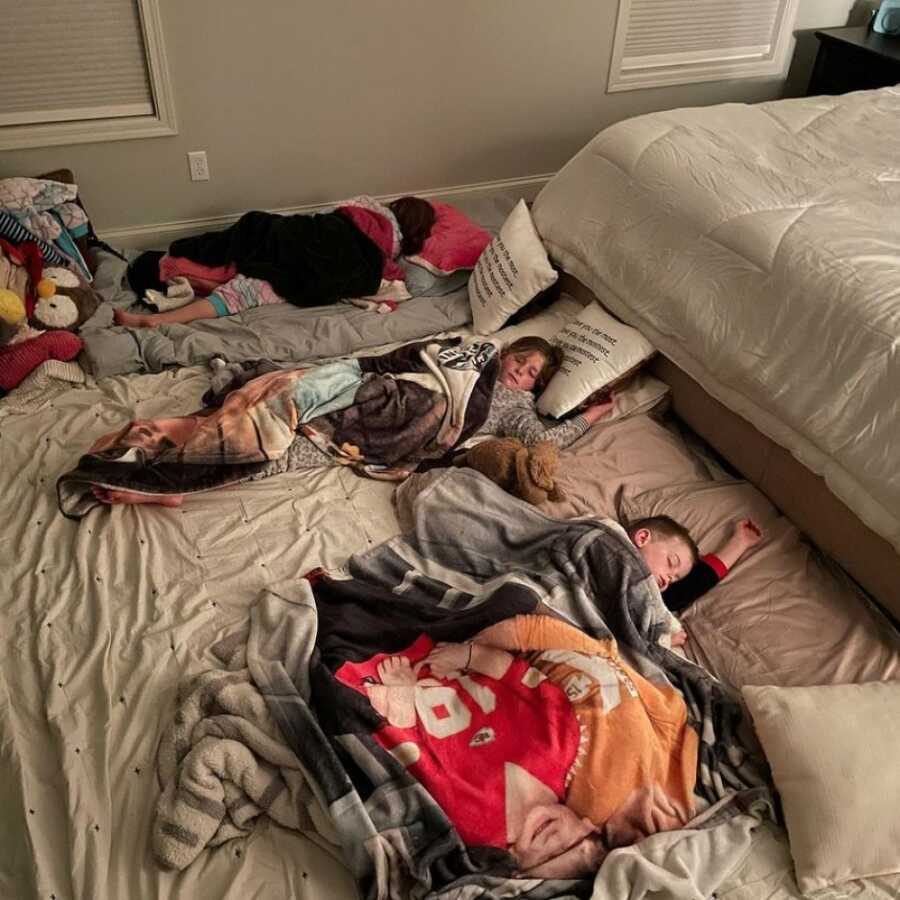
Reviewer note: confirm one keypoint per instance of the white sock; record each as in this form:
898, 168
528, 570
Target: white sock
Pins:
179, 288
179, 293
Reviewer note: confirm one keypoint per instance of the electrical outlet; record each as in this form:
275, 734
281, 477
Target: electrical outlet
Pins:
198, 165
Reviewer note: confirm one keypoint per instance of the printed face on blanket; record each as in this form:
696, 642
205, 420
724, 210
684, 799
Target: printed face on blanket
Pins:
556, 752
380, 415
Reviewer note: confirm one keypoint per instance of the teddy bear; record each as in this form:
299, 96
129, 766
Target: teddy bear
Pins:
526, 472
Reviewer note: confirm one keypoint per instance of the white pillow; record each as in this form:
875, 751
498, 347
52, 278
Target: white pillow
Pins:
513, 269
835, 757
545, 324
599, 351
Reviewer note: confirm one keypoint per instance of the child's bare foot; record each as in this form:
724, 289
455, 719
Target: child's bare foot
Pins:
395, 697
108, 495
134, 320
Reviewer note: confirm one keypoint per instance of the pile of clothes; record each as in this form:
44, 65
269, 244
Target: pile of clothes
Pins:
44, 275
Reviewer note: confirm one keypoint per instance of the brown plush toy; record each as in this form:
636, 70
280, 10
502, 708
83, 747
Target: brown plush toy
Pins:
527, 472
64, 301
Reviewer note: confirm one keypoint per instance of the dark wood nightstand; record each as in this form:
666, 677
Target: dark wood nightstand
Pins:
854, 59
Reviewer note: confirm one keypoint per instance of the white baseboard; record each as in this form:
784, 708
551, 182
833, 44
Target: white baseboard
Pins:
162, 234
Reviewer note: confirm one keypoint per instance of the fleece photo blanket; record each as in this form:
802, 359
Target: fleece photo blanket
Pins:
382, 415
431, 779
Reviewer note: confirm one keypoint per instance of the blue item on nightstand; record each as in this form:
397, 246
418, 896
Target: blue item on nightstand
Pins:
887, 19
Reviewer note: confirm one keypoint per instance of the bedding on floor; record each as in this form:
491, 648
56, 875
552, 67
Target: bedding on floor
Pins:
764, 267
104, 622
317, 659
281, 331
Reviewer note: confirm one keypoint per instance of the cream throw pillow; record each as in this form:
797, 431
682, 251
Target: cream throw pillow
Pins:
835, 757
513, 270
599, 351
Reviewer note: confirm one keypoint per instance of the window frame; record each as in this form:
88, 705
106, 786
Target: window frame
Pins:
117, 128
690, 70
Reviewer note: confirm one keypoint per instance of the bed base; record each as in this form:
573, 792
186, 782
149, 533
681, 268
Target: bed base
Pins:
800, 494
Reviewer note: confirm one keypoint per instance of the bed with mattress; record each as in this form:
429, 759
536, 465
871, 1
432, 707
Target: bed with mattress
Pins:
758, 248
107, 620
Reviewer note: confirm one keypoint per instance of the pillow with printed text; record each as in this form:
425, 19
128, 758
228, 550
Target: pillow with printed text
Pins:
512, 271
600, 352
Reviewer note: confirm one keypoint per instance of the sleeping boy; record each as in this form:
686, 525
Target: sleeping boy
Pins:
673, 560
609, 756
707, 571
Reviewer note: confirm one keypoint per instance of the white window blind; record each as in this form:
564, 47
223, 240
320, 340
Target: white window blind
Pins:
75, 70
661, 42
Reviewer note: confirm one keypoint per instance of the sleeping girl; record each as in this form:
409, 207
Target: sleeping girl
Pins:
380, 415
264, 258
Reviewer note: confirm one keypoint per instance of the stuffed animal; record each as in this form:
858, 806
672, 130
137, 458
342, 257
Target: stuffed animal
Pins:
527, 472
53, 310
23, 348
63, 302
12, 314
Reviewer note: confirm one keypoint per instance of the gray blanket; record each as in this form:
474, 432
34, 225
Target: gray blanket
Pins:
280, 332
456, 569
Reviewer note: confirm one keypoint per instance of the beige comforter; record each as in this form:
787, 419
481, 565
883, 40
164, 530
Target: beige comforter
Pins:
758, 247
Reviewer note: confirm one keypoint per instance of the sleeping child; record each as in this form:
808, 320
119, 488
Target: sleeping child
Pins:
264, 258
535, 737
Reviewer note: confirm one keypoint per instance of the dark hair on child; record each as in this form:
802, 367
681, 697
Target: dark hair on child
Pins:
551, 353
415, 217
665, 528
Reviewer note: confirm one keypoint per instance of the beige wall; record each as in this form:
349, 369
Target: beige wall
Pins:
305, 102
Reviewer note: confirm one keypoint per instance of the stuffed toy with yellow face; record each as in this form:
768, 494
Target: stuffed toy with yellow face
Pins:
12, 314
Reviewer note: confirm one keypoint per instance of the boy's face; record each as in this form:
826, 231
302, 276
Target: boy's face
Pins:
668, 559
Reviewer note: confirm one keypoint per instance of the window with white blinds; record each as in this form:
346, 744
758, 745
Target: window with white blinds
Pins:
81, 70
662, 42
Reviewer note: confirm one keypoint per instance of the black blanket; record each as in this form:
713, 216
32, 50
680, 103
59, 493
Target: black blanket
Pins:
310, 260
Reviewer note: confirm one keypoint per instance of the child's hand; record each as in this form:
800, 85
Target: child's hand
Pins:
599, 408
448, 658
747, 533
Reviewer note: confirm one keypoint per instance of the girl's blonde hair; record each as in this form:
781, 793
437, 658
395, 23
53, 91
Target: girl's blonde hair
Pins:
553, 357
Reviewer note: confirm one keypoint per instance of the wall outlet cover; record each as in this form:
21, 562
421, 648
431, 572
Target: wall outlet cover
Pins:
198, 165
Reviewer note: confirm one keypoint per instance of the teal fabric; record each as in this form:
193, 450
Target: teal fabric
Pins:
219, 305
327, 389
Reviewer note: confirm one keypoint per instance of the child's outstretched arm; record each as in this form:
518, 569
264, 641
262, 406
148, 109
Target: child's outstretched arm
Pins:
198, 309
711, 569
746, 534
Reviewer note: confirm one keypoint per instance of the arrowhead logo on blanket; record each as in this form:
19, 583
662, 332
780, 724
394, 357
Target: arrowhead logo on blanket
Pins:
472, 356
